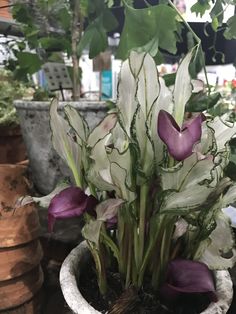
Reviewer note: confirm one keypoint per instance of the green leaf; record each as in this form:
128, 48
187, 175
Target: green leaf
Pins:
94, 38
169, 79
200, 7
22, 14
142, 25
217, 14
201, 102
55, 44
230, 32
109, 21
29, 61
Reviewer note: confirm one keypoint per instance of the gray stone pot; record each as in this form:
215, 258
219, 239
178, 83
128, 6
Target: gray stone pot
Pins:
74, 262
46, 166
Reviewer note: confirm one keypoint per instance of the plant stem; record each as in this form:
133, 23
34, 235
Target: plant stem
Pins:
129, 261
76, 32
142, 222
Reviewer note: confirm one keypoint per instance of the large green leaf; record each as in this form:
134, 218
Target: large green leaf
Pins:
55, 44
30, 62
142, 25
230, 32
200, 7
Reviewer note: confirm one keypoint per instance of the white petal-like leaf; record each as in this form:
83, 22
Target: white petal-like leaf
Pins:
91, 231
78, 124
64, 144
223, 131
186, 199
126, 101
221, 242
182, 89
102, 129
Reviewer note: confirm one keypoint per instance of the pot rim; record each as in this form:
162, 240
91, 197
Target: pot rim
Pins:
70, 271
83, 105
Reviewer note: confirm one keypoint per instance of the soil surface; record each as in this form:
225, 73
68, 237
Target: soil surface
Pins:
132, 301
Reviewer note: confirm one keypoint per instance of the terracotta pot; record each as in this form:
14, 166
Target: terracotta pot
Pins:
13, 184
34, 306
21, 275
12, 147
73, 264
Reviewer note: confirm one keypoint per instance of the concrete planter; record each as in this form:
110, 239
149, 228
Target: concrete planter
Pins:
73, 264
46, 166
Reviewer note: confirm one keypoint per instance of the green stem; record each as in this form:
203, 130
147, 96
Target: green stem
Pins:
142, 221
129, 261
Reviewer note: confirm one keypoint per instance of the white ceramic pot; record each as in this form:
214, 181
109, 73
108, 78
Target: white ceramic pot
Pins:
70, 271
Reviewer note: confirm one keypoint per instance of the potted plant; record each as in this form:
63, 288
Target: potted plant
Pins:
150, 186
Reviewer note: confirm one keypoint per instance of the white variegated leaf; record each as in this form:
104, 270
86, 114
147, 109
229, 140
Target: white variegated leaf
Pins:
124, 161
182, 89
119, 177
148, 85
221, 242
102, 129
186, 199
146, 157
126, 101
229, 197
66, 147
108, 209
78, 124
136, 61
190, 174
163, 102
99, 171
224, 131
91, 231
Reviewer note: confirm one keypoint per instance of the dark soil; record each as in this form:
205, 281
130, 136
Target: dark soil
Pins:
132, 301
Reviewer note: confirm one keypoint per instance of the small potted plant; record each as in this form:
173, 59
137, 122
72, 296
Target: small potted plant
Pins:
150, 186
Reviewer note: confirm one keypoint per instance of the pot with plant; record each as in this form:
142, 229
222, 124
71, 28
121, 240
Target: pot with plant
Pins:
150, 186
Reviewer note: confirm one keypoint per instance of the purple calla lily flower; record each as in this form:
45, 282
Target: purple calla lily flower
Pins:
71, 202
179, 141
186, 276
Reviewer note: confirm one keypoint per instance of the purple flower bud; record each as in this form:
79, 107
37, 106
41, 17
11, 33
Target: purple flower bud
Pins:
71, 202
179, 141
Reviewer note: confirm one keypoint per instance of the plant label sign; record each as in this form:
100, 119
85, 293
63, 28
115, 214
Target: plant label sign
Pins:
57, 76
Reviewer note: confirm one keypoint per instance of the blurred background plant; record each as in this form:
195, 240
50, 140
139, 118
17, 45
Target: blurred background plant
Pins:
10, 89
55, 31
